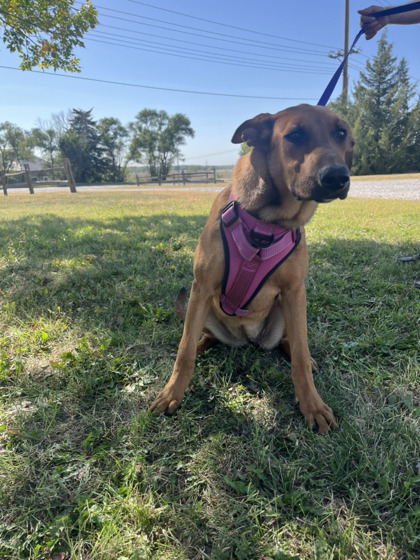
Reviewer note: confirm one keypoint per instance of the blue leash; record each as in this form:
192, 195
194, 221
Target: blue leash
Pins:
388, 12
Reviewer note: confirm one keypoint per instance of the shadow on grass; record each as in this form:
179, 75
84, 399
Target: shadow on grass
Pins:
89, 336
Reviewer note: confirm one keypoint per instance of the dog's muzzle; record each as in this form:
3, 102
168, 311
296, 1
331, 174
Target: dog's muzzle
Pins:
335, 181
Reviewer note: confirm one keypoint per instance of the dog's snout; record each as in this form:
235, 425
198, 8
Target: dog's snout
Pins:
334, 178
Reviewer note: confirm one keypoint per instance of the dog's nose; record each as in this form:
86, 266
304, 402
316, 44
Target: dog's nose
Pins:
334, 178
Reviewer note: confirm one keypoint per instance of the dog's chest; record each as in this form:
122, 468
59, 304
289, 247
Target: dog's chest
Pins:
265, 329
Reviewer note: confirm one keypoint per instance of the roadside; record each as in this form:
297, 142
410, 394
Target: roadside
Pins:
393, 188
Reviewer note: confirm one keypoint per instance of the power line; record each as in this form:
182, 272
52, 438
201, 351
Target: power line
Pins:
211, 155
127, 84
209, 57
224, 36
273, 47
195, 43
229, 26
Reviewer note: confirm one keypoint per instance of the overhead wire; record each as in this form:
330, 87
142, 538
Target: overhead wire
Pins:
220, 36
232, 63
211, 155
128, 84
195, 43
229, 26
273, 47
195, 54
259, 45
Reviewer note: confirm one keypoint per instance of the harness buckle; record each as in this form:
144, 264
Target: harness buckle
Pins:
261, 240
230, 213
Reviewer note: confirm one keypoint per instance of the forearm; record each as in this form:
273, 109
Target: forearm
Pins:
407, 18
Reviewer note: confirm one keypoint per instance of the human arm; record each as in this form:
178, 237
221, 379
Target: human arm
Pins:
373, 25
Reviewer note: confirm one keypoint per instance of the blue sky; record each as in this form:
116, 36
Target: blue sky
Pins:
266, 49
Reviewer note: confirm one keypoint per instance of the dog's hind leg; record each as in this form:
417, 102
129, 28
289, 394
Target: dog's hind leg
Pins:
206, 342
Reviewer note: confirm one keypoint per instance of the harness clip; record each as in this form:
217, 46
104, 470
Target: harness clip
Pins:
261, 240
230, 213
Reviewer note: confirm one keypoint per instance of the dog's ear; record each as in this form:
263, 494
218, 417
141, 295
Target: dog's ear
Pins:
256, 131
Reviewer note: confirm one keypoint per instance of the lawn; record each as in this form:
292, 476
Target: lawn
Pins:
88, 336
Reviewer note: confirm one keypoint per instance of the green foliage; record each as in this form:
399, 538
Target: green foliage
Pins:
81, 144
244, 149
383, 116
157, 138
47, 141
15, 146
113, 137
46, 33
98, 151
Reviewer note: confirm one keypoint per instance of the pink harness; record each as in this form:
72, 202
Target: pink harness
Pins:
253, 251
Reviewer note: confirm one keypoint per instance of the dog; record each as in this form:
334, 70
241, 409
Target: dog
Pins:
300, 157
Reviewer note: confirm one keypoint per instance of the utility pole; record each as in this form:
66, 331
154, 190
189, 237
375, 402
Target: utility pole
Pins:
346, 50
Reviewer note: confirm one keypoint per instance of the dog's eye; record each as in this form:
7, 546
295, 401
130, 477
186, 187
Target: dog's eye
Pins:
297, 136
341, 134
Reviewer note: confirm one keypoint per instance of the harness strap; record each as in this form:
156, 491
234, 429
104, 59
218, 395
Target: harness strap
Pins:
388, 12
253, 251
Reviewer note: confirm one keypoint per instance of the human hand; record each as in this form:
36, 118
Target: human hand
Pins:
372, 24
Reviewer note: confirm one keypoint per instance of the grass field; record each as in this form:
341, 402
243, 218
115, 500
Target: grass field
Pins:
88, 336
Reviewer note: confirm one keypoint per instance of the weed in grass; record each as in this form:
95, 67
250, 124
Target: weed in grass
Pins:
88, 336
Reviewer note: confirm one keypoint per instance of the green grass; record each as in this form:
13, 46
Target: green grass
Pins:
88, 337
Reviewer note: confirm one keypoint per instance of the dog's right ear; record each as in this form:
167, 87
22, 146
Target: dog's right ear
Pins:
256, 131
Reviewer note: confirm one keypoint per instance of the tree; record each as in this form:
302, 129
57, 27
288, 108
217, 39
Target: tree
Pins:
45, 33
113, 138
413, 144
156, 139
381, 114
244, 149
46, 135
46, 141
81, 145
15, 146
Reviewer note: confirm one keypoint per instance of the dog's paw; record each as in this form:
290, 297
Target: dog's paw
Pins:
318, 415
167, 401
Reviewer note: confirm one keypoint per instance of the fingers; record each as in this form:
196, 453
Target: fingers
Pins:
370, 10
372, 24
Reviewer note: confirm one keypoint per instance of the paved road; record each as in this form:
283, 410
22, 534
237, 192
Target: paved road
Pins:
404, 189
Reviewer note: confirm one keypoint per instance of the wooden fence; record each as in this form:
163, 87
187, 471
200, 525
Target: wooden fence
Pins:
183, 177
30, 178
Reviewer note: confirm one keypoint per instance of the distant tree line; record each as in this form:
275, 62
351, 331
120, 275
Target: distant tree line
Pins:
99, 151
384, 112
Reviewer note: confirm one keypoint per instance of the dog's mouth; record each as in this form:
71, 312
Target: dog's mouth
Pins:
329, 184
321, 195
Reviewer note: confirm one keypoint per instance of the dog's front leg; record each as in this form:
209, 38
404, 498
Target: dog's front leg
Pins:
313, 408
171, 396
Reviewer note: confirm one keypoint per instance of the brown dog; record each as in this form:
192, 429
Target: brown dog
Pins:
301, 156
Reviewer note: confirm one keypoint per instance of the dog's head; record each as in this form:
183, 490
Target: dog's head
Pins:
308, 150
